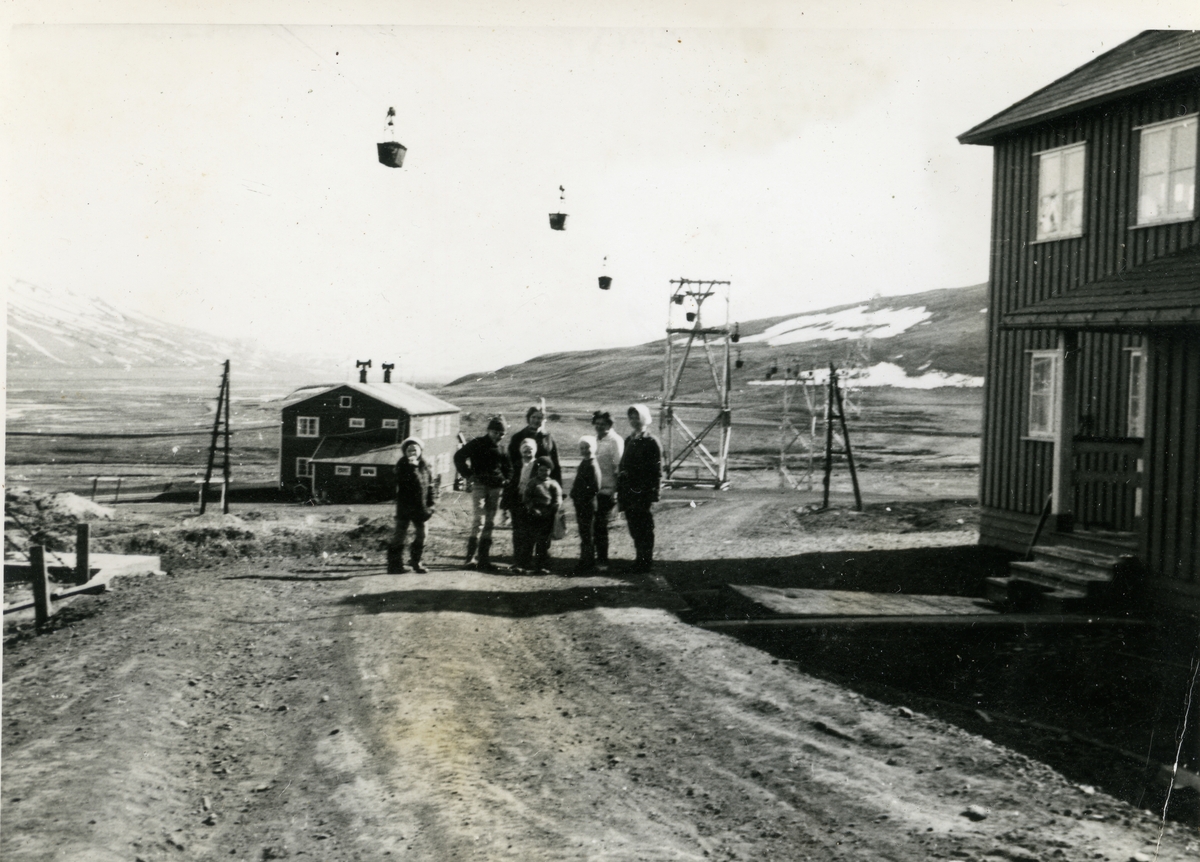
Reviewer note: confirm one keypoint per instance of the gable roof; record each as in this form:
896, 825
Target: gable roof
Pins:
410, 399
1151, 57
1163, 292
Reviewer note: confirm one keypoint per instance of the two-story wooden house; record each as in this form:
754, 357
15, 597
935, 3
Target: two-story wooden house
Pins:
1092, 395
339, 440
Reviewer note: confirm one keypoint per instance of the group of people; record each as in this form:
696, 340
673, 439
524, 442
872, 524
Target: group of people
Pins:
524, 480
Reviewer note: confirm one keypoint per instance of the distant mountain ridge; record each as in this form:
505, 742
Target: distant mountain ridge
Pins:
58, 329
919, 340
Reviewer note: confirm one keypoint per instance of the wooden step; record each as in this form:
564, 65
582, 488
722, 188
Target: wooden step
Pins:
1054, 576
1098, 541
1023, 595
1078, 557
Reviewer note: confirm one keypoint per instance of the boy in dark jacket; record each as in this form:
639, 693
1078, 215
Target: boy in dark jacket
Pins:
484, 463
583, 494
416, 497
542, 498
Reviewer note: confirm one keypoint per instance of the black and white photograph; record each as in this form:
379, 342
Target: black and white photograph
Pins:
611, 431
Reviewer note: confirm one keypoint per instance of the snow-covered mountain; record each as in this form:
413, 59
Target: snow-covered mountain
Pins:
57, 328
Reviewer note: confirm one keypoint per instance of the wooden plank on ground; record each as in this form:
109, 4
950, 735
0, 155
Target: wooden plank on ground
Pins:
845, 603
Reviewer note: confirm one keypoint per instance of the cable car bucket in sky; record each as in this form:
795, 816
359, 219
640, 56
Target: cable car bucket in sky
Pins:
605, 281
391, 153
558, 221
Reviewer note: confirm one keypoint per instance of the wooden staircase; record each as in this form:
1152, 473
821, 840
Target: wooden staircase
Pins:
1080, 572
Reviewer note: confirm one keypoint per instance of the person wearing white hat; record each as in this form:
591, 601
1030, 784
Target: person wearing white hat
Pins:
638, 482
416, 497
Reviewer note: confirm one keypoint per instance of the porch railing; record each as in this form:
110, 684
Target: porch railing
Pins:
1107, 481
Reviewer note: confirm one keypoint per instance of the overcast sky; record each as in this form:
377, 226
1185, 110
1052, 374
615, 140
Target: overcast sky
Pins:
224, 176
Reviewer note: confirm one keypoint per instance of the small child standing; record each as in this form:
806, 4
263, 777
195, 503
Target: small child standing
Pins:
584, 489
542, 498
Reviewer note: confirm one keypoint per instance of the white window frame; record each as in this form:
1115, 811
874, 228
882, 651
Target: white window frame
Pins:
304, 468
1050, 393
1176, 196
1135, 403
367, 471
1055, 204
345, 401
308, 426
342, 469
390, 423
358, 422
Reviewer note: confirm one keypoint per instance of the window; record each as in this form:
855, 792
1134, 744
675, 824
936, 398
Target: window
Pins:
1135, 415
1060, 192
341, 470
345, 401
391, 423
366, 471
1167, 172
307, 426
358, 422
1043, 394
303, 468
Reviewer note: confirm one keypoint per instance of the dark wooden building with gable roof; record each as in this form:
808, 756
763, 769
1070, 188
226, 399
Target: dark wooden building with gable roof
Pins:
339, 441
1092, 399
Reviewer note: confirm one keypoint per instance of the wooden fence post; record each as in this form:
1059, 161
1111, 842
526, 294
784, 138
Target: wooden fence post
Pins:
83, 566
41, 584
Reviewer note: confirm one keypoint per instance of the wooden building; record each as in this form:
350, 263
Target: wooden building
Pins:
348, 427
1092, 394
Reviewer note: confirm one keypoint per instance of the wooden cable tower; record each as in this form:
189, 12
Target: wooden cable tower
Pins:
222, 404
680, 442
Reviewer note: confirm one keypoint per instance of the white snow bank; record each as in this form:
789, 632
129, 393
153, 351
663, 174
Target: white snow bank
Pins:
847, 324
890, 374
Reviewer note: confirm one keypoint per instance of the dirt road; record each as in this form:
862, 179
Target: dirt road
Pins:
285, 709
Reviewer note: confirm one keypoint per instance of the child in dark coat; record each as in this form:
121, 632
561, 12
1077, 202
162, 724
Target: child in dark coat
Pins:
416, 497
542, 498
583, 494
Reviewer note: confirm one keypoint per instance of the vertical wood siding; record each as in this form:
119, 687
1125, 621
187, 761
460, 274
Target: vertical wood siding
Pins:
1016, 473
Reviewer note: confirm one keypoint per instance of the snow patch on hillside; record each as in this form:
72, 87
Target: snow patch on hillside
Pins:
890, 374
847, 324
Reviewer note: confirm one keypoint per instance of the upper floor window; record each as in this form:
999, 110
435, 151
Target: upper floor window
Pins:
358, 422
1135, 414
345, 400
1043, 394
307, 426
1060, 192
1167, 172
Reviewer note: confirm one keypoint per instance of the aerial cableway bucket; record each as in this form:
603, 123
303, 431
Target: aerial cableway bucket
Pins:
558, 221
391, 153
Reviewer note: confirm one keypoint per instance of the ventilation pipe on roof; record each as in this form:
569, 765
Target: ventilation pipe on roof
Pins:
387, 371
362, 369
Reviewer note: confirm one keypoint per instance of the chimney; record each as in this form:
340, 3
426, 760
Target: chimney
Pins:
362, 369
387, 371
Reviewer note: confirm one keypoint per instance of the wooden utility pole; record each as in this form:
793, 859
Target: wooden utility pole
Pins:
835, 409
222, 405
